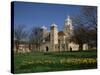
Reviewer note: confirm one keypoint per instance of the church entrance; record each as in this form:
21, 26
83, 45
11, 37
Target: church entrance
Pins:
47, 48
70, 48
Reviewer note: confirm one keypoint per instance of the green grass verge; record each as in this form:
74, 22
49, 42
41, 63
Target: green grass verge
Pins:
57, 61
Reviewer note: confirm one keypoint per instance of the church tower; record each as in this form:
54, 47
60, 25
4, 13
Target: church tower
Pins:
44, 33
54, 37
68, 28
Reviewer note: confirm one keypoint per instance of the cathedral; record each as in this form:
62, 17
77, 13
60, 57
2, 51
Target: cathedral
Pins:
55, 41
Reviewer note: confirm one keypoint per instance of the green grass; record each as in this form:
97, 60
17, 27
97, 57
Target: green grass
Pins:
45, 62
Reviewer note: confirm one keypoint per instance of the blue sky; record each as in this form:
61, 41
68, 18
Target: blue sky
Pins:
37, 14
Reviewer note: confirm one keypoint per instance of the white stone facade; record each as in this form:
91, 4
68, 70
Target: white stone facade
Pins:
60, 41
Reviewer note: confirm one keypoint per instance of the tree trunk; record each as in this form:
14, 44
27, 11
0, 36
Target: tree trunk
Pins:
37, 48
17, 47
29, 46
80, 47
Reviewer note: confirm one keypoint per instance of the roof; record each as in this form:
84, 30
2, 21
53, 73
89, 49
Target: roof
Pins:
61, 33
44, 27
53, 25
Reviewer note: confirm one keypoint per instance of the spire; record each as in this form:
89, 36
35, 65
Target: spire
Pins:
68, 24
67, 18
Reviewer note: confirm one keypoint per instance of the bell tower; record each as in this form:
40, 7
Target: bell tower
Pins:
54, 37
68, 28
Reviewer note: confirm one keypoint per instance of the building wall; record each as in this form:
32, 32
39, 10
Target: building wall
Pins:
22, 48
45, 47
85, 46
62, 44
72, 46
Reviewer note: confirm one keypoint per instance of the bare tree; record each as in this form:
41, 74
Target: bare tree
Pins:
80, 36
35, 37
90, 14
86, 26
19, 35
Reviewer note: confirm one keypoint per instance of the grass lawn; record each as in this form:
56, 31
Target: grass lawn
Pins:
57, 61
